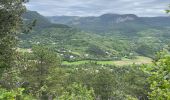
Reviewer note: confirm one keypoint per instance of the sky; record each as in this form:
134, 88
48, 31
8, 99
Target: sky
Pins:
143, 8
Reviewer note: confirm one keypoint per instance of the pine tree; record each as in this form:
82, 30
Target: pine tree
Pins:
10, 25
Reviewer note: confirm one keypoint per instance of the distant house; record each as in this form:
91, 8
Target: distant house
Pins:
71, 57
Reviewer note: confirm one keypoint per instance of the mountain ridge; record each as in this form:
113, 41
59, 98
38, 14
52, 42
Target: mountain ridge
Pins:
41, 21
110, 22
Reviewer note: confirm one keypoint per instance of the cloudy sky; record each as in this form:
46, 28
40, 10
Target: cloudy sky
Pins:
98, 7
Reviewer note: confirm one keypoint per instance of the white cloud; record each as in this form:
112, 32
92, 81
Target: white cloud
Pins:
98, 7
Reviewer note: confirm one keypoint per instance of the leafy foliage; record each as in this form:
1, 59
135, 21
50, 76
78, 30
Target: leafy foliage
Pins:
77, 92
10, 22
159, 79
40, 64
14, 95
111, 83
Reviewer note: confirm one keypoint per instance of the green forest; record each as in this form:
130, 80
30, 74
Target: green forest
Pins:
107, 57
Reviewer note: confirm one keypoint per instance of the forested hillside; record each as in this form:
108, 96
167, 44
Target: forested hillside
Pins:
129, 36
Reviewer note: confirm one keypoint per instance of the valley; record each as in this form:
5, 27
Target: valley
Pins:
128, 36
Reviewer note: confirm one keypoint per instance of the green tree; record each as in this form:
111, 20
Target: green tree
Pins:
77, 92
38, 68
168, 10
159, 79
103, 84
14, 95
10, 24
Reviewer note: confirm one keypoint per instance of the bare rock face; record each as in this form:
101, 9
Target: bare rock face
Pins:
124, 19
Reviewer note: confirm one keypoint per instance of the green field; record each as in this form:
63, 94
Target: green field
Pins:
138, 61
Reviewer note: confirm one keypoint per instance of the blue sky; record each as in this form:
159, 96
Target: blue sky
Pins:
98, 7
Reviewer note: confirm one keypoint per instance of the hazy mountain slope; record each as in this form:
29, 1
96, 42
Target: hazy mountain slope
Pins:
126, 24
41, 21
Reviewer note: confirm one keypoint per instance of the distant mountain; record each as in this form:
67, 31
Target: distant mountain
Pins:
41, 21
114, 18
126, 23
62, 19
